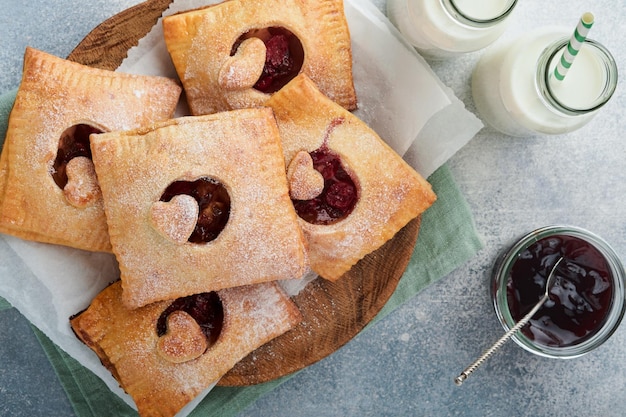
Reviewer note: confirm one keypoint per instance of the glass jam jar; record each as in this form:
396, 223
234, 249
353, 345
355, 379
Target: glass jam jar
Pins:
515, 92
587, 301
441, 29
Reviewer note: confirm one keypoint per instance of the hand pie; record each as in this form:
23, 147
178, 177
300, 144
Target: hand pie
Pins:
198, 204
48, 188
165, 354
369, 192
237, 53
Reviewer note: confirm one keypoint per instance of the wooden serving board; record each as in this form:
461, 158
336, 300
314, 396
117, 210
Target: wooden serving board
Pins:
333, 312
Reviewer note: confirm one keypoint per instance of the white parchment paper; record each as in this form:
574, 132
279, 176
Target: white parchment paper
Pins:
399, 97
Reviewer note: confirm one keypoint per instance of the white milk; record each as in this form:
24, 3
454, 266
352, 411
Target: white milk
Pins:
438, 31
508, 91
583, 82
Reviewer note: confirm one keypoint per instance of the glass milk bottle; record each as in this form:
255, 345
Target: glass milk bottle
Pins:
444, 28
515, 90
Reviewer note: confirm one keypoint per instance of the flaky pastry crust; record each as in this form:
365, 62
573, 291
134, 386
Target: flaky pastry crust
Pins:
54, 95
390, 192
241, 150
127, 343
200, 43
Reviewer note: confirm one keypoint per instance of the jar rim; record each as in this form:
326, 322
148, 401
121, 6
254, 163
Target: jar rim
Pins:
544, 75
463, 17
616, 310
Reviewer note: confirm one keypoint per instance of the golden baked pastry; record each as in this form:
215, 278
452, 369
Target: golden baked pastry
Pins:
48, 188
237, 53
165, 354
198, 204
369, 192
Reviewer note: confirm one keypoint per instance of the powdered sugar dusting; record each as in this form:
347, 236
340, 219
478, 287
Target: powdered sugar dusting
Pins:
261, 240
320, 26
177, 218
55, 95
127, 340
390, 192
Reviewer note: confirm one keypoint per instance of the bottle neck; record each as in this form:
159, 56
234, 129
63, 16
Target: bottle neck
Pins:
588, 85
479, 14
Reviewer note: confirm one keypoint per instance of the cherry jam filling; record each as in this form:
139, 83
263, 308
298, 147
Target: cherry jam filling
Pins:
74, 142
579, 300
205, 308
213, 202
283, 59
339, 196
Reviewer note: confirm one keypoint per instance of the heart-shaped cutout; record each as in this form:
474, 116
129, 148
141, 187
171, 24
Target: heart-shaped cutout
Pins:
184, 340
305, 182
175, 219
82, 187
243, 69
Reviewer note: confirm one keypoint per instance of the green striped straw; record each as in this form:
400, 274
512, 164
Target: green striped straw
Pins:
574, 45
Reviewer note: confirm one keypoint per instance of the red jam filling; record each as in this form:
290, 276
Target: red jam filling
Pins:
206, 309
74, 142
283, 59
214, 204
579, 300
339, 196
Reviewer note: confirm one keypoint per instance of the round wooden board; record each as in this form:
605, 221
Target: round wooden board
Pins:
333, 312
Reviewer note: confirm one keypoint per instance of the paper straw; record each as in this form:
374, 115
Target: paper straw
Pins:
574, 45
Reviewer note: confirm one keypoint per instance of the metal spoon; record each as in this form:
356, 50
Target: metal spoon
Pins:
468, 371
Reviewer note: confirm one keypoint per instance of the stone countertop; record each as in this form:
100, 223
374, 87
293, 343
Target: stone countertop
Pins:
405, 363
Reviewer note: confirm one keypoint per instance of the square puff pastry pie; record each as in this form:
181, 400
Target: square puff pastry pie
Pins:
198, 204
350, 189
159, 353
48, 188
235, 54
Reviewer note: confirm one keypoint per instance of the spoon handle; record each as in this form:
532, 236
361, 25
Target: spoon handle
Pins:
468, 371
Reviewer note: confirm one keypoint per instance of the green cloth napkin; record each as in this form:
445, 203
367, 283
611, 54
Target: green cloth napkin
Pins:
447, 239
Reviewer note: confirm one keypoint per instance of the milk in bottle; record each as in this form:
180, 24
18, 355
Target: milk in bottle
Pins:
444, 28
515, 91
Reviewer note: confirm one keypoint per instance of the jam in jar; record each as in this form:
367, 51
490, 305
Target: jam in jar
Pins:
586, 302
